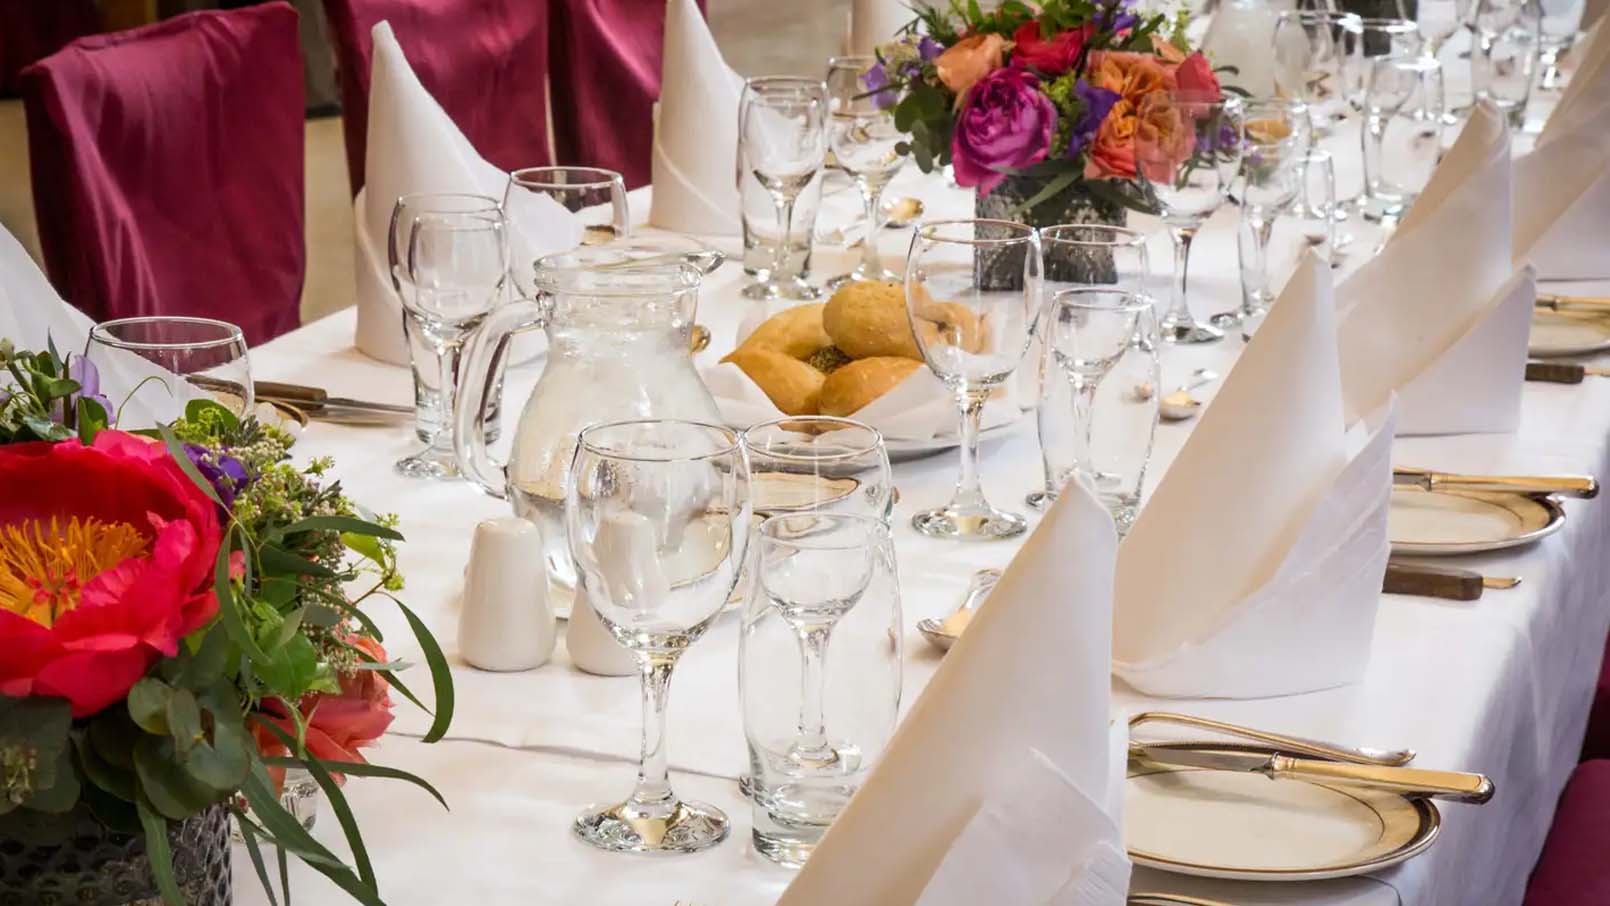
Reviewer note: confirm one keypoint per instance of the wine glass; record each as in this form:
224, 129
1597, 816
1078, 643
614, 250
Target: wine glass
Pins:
457, 264
596, 196
818, 463
1188, 155
1309, 60
1562, 19
1403, 110
1270, 182
782, 139
657, 514
128, 353
1439, 20
972, 297
864, 140
1505, 60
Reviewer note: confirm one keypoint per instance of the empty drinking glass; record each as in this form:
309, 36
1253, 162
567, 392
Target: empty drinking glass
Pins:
1270, 170
1505, 60
818, 671
818, 463
782, 137
1561, 21
1189, 156
1367, 40
1402, 138
972, 297
864, 140
1316, 204
657, 515
128, 353
596, 196
1310, 57
1104, 346
1439, 20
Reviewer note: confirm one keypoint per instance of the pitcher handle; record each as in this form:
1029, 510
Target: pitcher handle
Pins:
488, 345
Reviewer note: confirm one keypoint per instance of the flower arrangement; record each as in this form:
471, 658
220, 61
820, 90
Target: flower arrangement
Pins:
1052, 92
177, 626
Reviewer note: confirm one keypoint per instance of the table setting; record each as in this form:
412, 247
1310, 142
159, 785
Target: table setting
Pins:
963, 548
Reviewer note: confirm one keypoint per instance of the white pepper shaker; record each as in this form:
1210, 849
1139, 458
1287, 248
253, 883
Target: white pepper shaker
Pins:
506, 622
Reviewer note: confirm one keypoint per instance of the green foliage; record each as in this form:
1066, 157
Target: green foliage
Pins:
33, 402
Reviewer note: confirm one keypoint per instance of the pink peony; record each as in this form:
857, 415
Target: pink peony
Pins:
1005, 123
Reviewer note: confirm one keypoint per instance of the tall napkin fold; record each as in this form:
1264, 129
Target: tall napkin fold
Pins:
874, 22
1445, 271
415, 147
1289, 603
1562, 197
696, 132
1011, 718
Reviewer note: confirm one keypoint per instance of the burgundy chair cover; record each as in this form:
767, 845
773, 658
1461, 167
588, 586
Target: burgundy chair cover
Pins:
1597, 743
1574, 869
34, 29
485, 62
167, 169
606, 78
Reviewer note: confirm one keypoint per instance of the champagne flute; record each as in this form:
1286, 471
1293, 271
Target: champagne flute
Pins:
972, 297
782, 137
864, 140
657, 514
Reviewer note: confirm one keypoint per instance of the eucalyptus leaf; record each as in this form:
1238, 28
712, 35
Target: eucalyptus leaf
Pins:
166, 785
278, 560
148, 705
101, 773
184, 720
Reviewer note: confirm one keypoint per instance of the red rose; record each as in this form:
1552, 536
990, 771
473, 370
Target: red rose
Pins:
1053, 57
337, 725
105, 563
1195, 78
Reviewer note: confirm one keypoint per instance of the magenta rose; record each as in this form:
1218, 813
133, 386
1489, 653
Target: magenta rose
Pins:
1005, 123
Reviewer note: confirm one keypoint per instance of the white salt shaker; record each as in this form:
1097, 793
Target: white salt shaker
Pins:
626, 557
507, 622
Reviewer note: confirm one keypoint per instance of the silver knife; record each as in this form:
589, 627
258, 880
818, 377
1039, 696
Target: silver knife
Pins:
1455, 786
1570, 485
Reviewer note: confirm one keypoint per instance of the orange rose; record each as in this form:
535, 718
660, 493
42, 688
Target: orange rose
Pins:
1133, 76
1112, 154
969, 60
1165, 136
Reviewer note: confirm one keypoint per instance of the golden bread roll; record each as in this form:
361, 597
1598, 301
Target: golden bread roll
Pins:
795, 332
868, 319
792, 386
854, 385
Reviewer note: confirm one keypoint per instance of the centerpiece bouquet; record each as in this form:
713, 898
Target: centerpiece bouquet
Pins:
1037, 107
181, 623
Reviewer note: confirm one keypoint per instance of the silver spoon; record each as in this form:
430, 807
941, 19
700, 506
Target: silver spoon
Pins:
896, 213
1180, 405
944, 633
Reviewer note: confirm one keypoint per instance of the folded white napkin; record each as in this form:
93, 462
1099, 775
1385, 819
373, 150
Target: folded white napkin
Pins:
1562, 197
1288, 604
874, 22
1589, 88
696, 131
1011, 723
413, 146
1444, 273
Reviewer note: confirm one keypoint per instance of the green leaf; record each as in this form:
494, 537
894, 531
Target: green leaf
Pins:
341, 524
167, 786
184, 721
362, 769
45, 429
197, 408
289, 668
115, 813
229, 605
91, 420
441, 676
338, 804
207, 665
222, 762
113, 735
60, 793
186, 466
100, 772
248, 834
283, 562
156, 849
289, 834
287, 630
365, 546
148, 705
1052, 187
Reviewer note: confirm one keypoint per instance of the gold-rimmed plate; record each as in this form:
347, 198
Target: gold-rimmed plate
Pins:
1243, 826
1442, 523
1569, 332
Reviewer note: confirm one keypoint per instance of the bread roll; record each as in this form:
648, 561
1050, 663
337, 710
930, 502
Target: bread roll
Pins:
868, 319
949, 324
791, 385
795, 332
849, 388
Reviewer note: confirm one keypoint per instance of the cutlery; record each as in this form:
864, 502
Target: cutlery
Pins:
1180, 405
944, 633
311, 400
1440, 581
1562, 372
1454, 786
1169, 899
1313, 747
706, 261
1557, 301
1583, 486
898, 213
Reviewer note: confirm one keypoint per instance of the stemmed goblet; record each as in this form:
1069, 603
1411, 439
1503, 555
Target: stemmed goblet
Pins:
1310, 57
864, 141
597, 197
972, 297
1402, 136
1189, 155
1270, 182
817, 464
782, 137
657, 514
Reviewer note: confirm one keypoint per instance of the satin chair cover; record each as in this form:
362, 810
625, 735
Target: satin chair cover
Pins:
485, 62
606, 78
34, 29
167, 169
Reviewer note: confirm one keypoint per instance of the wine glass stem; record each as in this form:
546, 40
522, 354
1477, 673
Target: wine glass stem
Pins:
785, 225
1256, 277
969, 493
813, 649
447, 355
653, 784
871, 194
1084, 407
1179, 312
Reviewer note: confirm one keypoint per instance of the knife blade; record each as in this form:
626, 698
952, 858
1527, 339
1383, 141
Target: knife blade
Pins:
1557, 301
1454, 786
310, 400
1583, 486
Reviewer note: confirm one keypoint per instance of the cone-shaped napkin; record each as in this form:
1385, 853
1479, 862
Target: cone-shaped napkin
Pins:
414, 147
1562, 198
696, 131
874, 22
1015, 720
1444, 272
1287, 604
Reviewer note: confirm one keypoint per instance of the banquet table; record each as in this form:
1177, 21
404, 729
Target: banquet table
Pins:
1500, 685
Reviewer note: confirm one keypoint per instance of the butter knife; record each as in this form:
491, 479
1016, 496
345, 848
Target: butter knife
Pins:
1557, 301
1569, 485
310, 400
1563, 372
1454, 786
1440, 581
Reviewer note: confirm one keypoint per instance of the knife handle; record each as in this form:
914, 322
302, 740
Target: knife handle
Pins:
1555, 372
295, 393
1432, 582
1584, 486
1455, 786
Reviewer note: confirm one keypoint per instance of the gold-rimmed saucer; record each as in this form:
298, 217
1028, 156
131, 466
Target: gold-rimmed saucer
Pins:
1443, 523
1568, 332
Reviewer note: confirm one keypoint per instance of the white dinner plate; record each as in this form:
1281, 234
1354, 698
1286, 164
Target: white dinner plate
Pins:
1467, 522
904, 449
1560, 333
1244, 826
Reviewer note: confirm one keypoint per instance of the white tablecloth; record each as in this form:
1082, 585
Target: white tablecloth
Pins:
1500, 685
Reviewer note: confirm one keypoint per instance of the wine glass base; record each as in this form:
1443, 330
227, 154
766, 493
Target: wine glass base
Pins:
680, 827
1225, 320
969, 524
1040, 501
427, 466
1190, 332
794, 289
860, 276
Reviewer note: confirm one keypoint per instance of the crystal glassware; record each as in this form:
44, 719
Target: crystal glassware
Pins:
1099, 255
818, 464
456, 267
1313, 212
1402, 136
972, 297
864, 141
1437, 21
657, 515
187, 355
818, 671
782, 138
596, 196
1310, 55
1504, 63
1562, 19
1188, 157
1090, 331
1366, 40
1270, 171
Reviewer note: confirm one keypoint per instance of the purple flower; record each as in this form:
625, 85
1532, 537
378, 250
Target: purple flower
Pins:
877, 79
225, 473
1095, 104
928, 49
1005, 124
84, 372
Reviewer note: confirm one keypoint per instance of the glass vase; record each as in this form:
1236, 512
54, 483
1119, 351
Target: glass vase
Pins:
1074, 204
